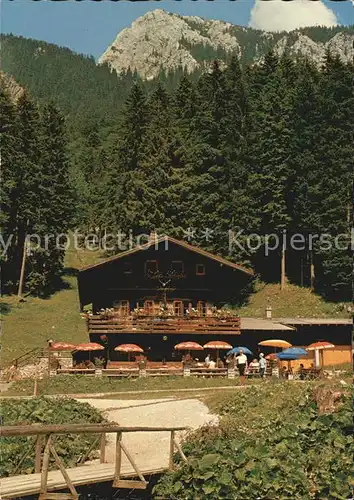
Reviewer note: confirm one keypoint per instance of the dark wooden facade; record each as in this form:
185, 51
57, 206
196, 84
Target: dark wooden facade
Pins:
167, 271
160, 295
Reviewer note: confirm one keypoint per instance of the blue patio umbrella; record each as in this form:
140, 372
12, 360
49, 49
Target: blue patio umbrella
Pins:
283, 356
236, 350
296, 351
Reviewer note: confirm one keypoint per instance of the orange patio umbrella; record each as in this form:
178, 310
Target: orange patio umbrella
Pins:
189, 346
217, 344
89, 346
62, 346
129, 348
320, 347
283, 344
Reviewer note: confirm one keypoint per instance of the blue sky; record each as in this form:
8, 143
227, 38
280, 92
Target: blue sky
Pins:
89, 27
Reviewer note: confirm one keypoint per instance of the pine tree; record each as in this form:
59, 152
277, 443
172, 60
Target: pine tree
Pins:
158, 161
211, 173
9, 165
271, 156
240, 211
54, 205
336, 153
124, 191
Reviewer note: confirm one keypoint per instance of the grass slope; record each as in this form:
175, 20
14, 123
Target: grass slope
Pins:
294, 301
29, 324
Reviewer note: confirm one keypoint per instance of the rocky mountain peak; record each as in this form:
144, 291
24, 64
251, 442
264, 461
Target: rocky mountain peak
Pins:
160, 40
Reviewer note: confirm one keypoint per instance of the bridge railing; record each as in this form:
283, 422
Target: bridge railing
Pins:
44, 439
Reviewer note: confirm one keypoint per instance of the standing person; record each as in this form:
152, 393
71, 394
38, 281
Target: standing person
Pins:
207, 360
241, 361
262, 365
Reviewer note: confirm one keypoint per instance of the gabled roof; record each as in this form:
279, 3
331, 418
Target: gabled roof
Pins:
183, 244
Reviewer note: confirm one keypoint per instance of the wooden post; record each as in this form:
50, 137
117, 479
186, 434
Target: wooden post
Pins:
35, 386
312, 271
283, 270
23, 264
38, 462
118, 456
103, 448
45, 465
172, 449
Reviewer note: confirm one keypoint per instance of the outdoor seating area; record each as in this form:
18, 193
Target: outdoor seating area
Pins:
213, 359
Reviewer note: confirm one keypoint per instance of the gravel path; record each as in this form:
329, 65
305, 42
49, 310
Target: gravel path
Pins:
151, 448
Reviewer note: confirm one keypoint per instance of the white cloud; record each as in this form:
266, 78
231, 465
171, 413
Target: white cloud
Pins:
280, 15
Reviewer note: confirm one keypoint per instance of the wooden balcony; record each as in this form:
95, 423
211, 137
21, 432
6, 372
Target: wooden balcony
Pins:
98, 324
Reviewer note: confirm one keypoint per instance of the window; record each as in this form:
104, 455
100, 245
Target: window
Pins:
177, 266
124, 307
149, 307
200, 270
151, 266
127, 268
201, 308
178, 308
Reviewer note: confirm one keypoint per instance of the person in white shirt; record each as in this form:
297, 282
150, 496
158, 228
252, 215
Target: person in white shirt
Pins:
241, 361
212, 364
262, 365
207, 360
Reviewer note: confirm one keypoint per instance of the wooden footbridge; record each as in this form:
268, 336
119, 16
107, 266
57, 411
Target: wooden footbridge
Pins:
45, 482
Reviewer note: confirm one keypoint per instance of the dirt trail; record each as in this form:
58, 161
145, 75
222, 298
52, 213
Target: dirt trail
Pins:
151, 448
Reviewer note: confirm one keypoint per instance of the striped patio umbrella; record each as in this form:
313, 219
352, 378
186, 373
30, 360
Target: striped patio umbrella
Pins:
89, 346
217, 344
320, 346
129, 348
62, 346
189, 346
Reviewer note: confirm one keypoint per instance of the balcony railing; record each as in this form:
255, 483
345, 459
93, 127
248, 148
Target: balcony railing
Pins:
149, 324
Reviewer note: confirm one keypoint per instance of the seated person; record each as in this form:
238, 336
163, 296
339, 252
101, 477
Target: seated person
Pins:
212, 364
254, 365
220, 363
187, 360
284, 372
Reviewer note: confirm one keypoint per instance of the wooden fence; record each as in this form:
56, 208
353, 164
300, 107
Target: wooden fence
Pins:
44, 439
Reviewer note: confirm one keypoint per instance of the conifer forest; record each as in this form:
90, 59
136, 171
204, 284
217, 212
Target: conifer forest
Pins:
233, 158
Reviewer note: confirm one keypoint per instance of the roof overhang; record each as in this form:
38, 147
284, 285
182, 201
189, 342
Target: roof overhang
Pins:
166, 240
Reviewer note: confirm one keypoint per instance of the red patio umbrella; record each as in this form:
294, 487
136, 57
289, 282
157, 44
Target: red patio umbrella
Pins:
320, 347
129, 348
188, 346
89, 346
217, 344
271, 357
62, 346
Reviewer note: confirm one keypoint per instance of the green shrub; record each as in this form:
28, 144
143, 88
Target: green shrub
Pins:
17, 453
302, 455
